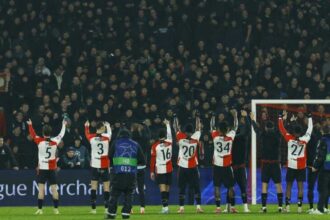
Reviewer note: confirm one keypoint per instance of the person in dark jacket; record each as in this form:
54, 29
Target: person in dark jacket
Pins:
125, 155
322, 163
140, 134
69, 160
271, 168
7, 159
239, 158
82, 153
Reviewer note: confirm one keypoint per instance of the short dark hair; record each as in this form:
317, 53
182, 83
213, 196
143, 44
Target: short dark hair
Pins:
269, 124
326, 129
99, 125
189, 128
297, 130
124, 133
47, 130
162, 133
223, 127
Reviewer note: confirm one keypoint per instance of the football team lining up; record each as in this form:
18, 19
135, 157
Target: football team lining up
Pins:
125, 155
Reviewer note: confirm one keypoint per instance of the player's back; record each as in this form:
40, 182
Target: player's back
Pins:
47, 153
188, 149
99, 150
223, 145
162, 150
270, 145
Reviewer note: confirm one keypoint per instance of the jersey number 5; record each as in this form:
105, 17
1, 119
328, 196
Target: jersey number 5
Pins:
48, 153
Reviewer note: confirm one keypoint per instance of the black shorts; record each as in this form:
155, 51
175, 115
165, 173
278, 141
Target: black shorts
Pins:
47, 175
298, 175
223, 175
240, 176
271, 171
100, 174
164, 178
188, 176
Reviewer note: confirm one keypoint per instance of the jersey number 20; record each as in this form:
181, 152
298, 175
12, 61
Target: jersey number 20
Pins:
188, 151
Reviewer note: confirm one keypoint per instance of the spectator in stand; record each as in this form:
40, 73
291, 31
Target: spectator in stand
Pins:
69, 160
81, 152
7, 160
205, 55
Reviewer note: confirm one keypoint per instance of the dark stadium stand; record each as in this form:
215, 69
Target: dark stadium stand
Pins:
138, 61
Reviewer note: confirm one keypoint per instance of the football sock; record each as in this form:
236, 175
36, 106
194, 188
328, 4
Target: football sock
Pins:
198, 199
55, 201
280, 199
181, 200
300, 199
164, 199
287, 201
310, 196
40, 201
106, 199
264, 199
244, 198
93, 198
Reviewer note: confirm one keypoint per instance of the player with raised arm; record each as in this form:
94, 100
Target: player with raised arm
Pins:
99, 160
296, 157
239, 154
223, 139
270, 161
161, 164
188, 173
47, 162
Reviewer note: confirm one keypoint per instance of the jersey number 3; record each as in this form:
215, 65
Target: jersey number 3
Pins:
100, 150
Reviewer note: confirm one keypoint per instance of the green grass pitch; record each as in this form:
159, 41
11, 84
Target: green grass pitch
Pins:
152, 212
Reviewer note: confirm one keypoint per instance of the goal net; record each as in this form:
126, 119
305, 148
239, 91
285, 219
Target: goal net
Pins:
269, 110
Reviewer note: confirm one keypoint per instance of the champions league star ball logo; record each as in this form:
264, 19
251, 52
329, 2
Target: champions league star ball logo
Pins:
127, 150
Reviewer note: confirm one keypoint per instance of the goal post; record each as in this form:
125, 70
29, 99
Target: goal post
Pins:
253, 162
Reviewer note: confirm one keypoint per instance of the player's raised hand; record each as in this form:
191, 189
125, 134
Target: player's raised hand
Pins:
252, 116
65, 122
87, 123
293, 118
244, 113
233, 112
285, 114
152, 176
29, 122
166, 122
106, 123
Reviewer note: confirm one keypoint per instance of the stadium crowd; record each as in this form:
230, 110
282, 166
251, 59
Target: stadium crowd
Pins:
139, 61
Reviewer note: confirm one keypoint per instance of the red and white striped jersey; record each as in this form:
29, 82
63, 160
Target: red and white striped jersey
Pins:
297, 156
161, 155
223, 145
188, 149
99, 147
47, 159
